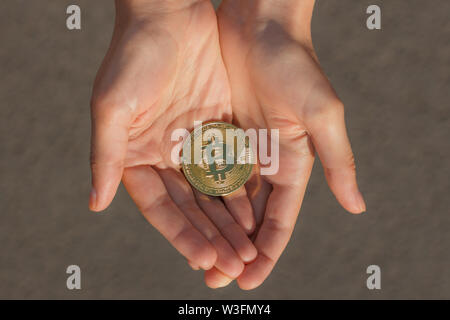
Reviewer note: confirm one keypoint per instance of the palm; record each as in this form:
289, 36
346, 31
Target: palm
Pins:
149, 70
267, 74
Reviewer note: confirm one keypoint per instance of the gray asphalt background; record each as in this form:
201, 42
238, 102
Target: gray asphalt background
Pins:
394, 83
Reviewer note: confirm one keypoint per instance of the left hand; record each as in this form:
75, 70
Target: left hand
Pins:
277, 83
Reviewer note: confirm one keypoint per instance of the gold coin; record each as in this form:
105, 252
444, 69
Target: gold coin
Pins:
217, 158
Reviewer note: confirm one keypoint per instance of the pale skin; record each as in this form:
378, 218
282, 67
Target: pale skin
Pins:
173, 62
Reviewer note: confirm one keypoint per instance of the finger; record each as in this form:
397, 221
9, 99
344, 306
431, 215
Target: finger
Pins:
258, 191
273, 236
326, 126
216, 279
193, 265
222, 219
179, 189
281, 214
150, 195
240, 207
108, 148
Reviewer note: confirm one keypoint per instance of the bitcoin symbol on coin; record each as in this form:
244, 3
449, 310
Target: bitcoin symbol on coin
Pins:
216, 153
224, 158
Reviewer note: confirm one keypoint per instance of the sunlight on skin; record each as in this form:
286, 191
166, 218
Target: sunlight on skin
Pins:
157, 77
163, 71
276, 82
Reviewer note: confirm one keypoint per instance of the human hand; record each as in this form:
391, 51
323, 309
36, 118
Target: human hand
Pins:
164, 70
277, 83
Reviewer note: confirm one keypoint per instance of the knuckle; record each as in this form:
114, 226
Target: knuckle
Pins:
97, 163
154, 206
276, 225
187, 203
329, 110
99, 159
351, 162
98, 104
214, 236
337, 106
180, 234
230, 226
102, 110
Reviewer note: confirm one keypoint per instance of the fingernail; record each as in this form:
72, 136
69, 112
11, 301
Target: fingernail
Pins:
193, 266
359, 202
206, 267
249, 228
219, 281
93, 198
223, 282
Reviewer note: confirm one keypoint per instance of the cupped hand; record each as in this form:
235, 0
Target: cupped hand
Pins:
277, 83
162, 72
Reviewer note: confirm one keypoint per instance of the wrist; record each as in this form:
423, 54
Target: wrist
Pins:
294, 16
138, 11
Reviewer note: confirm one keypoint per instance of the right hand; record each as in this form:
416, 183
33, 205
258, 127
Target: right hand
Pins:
164, 70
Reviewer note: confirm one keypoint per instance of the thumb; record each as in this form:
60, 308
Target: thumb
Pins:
108, 149
326, 125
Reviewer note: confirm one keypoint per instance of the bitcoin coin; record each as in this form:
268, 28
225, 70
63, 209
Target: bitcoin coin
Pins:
217, 158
